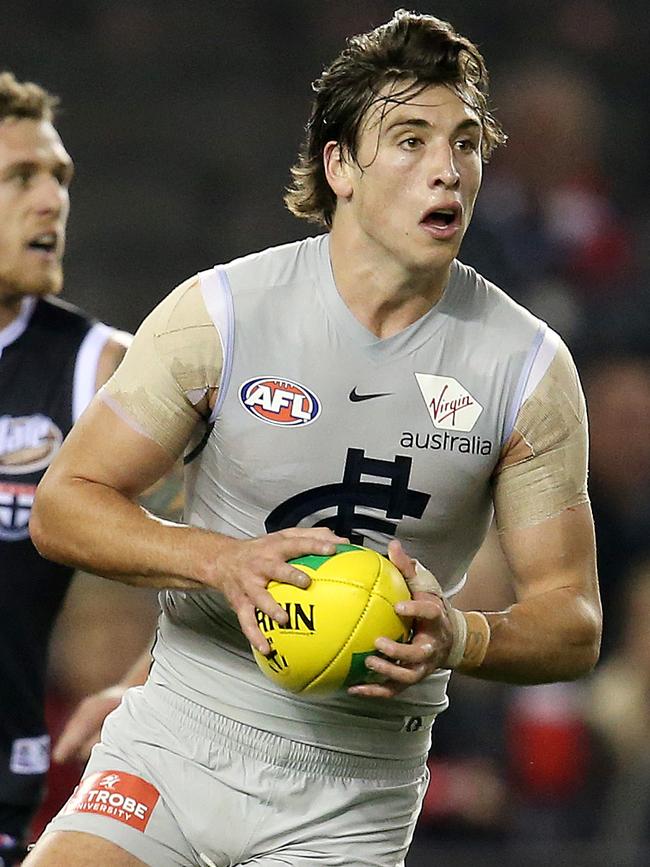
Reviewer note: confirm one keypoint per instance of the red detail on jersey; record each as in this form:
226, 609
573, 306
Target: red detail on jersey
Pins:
16, 489
116, 795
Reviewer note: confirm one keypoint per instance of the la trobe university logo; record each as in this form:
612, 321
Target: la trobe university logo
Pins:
116, 795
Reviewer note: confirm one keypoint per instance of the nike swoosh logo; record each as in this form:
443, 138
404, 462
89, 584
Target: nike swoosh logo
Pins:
355, 398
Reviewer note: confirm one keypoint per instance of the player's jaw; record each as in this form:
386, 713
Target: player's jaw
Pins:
43, 248
36, 267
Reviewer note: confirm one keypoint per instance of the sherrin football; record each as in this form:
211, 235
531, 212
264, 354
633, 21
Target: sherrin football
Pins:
333, 623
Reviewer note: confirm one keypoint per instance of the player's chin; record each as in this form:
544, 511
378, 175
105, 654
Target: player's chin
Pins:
54, 284
50, 283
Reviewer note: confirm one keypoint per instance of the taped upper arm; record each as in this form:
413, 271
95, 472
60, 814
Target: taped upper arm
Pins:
543, 467
173, 366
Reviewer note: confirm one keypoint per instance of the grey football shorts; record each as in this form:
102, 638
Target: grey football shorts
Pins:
176, 784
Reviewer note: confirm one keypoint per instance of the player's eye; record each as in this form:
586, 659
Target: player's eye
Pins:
63, 176
467, 145
410, 143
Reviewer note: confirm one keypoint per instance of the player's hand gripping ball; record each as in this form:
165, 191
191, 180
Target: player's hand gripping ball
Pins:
333, 624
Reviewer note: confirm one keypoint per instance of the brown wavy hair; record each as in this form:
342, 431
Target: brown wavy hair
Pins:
410, 51
25, 99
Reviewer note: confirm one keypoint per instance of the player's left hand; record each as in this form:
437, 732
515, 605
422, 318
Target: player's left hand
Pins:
402, 665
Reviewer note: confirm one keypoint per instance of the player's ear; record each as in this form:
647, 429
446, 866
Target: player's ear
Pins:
338, 170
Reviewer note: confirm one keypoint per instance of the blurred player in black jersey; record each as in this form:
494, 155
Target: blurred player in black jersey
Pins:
53, 357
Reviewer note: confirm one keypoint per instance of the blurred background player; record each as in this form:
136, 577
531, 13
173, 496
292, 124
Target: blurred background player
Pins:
53, 357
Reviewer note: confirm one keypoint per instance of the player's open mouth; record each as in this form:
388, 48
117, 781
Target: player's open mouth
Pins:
443, 222
45, 243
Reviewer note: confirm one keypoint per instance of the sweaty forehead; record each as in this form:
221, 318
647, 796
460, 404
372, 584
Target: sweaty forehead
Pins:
30, 140
435, 104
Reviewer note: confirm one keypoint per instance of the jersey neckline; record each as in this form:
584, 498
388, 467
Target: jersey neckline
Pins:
10, 333
407, 340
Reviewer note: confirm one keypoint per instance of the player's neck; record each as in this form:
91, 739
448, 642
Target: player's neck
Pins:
9, 309
384, 296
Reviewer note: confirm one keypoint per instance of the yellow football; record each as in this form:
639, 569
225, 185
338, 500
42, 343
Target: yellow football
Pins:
333, 624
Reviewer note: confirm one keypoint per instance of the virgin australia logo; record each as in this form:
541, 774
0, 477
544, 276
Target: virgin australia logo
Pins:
450, 405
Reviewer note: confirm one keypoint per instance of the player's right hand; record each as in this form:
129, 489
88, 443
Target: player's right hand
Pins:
244, 568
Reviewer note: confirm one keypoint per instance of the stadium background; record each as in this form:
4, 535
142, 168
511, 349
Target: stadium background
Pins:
183, 119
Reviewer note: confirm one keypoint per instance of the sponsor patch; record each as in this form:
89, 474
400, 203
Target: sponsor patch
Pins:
117, 795
450, 405
280, 402
465, 445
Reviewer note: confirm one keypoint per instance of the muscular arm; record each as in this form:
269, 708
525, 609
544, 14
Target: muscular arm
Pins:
85, 512
82, 730
545, 526
552, 630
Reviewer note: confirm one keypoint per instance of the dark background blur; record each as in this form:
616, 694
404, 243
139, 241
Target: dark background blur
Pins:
183, 119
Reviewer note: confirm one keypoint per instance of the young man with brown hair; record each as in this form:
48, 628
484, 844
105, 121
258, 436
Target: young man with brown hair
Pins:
362, 384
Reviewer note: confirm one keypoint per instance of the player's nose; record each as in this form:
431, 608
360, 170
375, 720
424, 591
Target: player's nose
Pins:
50, 196
442, 170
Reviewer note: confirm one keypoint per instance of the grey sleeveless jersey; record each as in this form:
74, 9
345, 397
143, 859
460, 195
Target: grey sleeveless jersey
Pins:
319, 422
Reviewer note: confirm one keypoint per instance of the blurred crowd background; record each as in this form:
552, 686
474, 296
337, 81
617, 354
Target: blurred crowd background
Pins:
183, 117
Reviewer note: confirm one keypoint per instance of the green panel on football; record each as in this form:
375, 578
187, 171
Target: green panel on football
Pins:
314, 561
358, 672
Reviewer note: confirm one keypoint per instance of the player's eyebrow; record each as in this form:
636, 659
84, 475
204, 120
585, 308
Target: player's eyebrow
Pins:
26, 166
469, 124
61, 168
410, 121
419, 122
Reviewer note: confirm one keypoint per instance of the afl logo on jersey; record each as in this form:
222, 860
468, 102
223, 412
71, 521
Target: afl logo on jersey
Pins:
280, 402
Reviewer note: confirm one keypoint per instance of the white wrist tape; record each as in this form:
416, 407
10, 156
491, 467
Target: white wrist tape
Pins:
426, 582
459, 642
